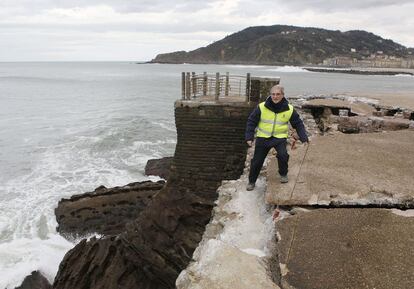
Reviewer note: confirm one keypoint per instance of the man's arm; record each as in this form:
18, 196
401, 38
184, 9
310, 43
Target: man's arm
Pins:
252, 123
297, 124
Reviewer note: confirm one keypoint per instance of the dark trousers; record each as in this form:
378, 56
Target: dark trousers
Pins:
262, 148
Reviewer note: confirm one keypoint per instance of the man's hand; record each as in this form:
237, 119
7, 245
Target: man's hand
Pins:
249, 143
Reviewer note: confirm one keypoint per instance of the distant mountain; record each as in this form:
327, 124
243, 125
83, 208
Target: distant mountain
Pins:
282, 44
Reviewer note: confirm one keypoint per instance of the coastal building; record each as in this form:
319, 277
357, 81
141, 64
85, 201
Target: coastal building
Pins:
379, 60
340, 61
408, 63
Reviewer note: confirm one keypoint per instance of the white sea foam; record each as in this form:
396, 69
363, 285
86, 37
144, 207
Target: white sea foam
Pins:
404, 75
170, 126
287, 68
28, 237
22, 256
244, 66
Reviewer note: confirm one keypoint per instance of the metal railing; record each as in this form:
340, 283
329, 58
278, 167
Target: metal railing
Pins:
214, 85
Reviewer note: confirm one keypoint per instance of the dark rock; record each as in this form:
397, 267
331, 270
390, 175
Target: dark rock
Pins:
104, 211
100, 264
159, 167
35, 281
158, 244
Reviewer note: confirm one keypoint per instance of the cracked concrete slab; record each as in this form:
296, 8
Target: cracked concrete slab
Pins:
360, 169
346, 248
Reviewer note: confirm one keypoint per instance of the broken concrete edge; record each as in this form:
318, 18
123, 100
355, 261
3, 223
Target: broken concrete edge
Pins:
343, 97
394, 202
372, 101
222, 256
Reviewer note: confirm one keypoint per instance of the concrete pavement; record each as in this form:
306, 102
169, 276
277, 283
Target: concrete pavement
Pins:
375, 169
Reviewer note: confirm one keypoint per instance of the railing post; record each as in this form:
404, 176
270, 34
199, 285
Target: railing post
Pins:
187, 86
217, 85
183, 85
226, 89
247, 87
204, 83
194, 84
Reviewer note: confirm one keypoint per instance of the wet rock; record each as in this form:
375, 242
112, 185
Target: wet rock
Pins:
101, 264
159, 167
159, 243
35, 281
105, 210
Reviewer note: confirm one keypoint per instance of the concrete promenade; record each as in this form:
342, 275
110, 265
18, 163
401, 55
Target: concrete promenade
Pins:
362, 245
373, 168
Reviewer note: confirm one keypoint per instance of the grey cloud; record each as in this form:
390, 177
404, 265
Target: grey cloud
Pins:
247, 7
122, 6
170, 28
335, 5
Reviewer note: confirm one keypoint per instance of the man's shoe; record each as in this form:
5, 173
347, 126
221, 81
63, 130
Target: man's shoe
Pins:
250, 186
284, 179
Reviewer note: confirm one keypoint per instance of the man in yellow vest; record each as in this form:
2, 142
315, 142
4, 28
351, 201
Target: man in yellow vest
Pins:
271, 118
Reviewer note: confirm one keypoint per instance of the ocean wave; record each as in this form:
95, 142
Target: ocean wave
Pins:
287, 68
168, 125
404, 75
111, 155
22, 256
244, 66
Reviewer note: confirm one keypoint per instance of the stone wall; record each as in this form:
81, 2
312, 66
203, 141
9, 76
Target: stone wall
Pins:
156, 246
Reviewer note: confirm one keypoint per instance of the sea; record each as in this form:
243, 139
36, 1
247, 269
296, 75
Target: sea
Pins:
69, 127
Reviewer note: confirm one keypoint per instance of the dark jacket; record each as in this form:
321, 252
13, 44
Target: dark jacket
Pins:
283, 105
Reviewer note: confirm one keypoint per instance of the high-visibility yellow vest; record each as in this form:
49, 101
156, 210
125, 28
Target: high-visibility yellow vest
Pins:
273, 124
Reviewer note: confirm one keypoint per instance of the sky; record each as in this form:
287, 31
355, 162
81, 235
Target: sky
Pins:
126, 30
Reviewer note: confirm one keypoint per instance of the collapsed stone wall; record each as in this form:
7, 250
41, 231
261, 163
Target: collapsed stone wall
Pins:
157, 245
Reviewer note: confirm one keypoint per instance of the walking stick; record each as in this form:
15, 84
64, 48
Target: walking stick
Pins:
276, 212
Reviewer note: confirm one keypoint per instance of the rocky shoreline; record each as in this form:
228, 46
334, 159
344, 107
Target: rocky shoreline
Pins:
187, 227
157, 245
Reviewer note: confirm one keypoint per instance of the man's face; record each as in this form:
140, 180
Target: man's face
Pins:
276, 95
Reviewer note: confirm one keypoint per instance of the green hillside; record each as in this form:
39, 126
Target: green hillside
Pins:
282, 44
